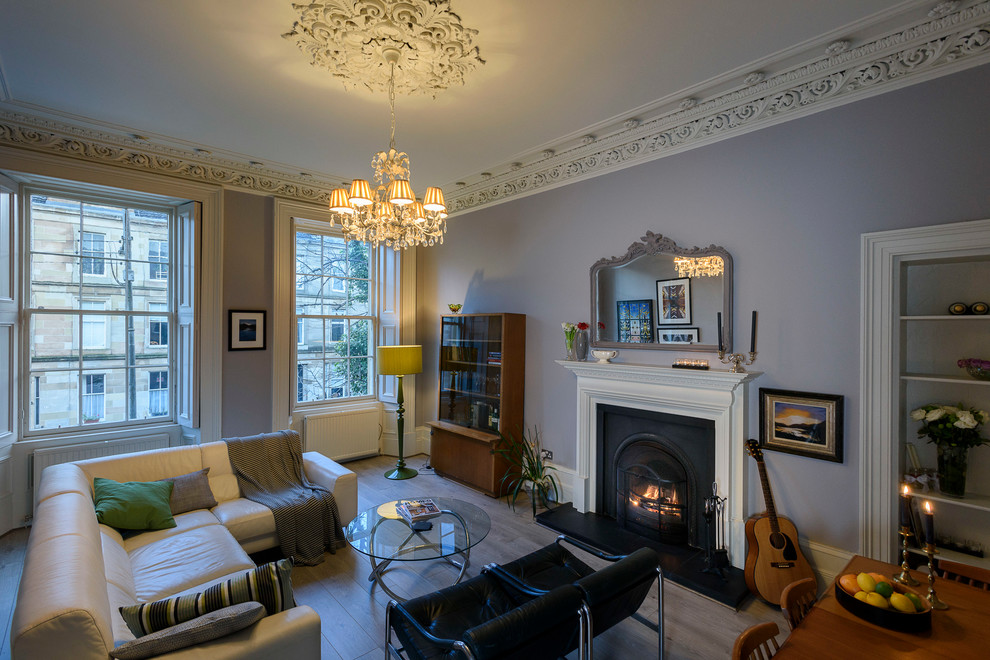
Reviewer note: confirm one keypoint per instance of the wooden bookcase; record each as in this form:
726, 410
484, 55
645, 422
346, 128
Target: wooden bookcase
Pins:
481, 394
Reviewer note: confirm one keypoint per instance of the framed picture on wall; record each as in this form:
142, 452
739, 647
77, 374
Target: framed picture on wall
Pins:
246, 330
635, 321
674, 301
802, 423
678, 335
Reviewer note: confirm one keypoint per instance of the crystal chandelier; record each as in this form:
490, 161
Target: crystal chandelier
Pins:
391, 214
699, 266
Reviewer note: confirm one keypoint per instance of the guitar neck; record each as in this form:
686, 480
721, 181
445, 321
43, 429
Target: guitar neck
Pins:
768, 496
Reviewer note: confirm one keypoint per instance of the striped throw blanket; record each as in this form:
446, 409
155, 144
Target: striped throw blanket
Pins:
269, 469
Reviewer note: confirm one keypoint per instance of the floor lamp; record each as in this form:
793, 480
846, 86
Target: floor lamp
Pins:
400, 361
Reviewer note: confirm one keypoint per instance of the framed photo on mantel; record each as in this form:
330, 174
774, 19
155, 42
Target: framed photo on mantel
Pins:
802, 423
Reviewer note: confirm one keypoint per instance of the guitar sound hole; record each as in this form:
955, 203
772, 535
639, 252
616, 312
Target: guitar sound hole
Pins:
777, 540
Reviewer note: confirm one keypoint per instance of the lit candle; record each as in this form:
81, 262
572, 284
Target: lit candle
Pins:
928, 523
720, 332
905, 507
752, 340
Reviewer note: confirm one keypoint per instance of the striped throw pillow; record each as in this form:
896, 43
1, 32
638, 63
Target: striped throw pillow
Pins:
270, 585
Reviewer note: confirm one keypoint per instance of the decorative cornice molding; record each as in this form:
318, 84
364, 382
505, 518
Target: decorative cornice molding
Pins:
47, 136
948, 42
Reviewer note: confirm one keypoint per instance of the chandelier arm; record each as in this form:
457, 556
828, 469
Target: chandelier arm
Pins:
391, 105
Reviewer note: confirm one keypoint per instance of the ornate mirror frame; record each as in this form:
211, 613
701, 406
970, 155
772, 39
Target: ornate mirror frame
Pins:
655, 245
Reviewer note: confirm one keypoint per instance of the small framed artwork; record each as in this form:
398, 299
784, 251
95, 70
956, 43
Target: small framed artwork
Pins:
674, 301
246, 330
802, 423
635, 321
677, 335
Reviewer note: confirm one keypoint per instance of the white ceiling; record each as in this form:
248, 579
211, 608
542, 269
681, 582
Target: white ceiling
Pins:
217, 74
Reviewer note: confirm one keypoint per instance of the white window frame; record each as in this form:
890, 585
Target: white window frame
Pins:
97, 324
300, 332
93, 257
158, 319
86, 397
323, 229
168, 406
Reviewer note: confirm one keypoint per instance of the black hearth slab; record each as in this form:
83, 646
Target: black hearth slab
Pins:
681, 564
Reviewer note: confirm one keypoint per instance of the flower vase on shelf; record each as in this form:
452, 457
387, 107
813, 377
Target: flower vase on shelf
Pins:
581, 345
570, 330
952, 470
954, 430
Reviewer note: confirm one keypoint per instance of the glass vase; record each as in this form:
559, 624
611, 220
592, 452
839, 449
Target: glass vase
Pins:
581, 345
952, 470
569, 343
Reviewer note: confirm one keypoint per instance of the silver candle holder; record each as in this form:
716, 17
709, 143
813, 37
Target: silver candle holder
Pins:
737, 360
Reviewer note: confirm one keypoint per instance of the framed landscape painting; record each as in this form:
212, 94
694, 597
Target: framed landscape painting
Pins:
635, 321
674, 301
802, 423
246, 330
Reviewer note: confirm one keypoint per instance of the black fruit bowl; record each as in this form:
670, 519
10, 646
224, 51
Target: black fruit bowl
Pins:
909, 622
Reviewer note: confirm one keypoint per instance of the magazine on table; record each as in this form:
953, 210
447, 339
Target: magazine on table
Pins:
417, 510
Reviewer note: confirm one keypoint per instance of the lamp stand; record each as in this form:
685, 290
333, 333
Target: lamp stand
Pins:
400, 471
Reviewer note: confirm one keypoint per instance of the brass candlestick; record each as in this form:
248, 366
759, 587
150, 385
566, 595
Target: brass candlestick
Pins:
737, 360
932, 597
905, 576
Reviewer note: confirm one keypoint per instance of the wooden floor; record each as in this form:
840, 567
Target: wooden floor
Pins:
352, 609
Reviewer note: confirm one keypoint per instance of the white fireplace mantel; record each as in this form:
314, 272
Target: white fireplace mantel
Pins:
716, 395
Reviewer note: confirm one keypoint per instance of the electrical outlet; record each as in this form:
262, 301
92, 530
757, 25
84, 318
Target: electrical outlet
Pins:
547, 455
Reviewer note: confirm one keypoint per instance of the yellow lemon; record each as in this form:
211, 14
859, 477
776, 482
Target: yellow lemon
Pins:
901, 603
876, 600
866, 582
848, 582
884, 589
860, 595
915, 600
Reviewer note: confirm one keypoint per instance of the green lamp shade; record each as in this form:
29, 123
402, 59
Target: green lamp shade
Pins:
400, 360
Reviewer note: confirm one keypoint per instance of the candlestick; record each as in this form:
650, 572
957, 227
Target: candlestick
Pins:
752, 335
932, 597
736, 360
904, 577
928, 523
720, 347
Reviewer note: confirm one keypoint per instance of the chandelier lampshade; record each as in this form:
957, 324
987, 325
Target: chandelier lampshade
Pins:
360, 193
400, 192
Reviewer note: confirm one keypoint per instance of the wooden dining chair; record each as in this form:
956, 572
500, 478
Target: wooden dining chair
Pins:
756, 642
971, 575
797, 599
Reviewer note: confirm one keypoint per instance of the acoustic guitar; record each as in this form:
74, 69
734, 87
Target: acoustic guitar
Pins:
773, 556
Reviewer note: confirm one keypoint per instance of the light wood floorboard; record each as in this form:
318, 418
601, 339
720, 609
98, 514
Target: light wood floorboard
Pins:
352, 609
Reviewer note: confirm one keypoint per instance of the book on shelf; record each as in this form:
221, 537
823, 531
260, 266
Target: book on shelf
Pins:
417, 510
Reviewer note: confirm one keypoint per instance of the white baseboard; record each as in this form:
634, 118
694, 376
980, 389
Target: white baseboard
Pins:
825, 559
422, 440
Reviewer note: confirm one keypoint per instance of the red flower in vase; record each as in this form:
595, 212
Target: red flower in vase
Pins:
582, 326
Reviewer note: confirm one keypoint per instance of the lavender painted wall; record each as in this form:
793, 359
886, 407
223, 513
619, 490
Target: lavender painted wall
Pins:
247, 284
788, 202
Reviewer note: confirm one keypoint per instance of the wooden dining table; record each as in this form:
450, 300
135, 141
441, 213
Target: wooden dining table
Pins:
831, 631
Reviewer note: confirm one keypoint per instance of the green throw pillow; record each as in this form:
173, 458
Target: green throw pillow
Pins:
270, 585
134, 504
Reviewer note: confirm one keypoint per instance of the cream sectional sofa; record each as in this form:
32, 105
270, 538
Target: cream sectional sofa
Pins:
77, 572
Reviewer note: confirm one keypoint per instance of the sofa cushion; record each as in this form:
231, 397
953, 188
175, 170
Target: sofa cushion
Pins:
183, 523
245, 519
190, 492
174, 563
270, 585
133, 504
212, 625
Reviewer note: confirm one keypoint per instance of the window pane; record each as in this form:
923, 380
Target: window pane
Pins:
54, 399
312, 336
334, 257
104, 392
358, 302
309, 250
313, 386
148, 396
359, 258
337, 334
110, 285
359, 338
54, 341
112, 352
54, 281
158, 393
55, 224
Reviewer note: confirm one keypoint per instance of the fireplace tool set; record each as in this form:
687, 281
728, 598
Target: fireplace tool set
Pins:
716, 556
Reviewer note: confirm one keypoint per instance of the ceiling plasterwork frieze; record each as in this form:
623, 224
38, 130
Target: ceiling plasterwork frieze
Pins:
348, 37
918, 52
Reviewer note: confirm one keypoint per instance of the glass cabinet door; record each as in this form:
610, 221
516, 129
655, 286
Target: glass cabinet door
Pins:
471, 371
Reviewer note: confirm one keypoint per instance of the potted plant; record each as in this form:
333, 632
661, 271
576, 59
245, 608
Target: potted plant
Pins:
953, 430
528, 465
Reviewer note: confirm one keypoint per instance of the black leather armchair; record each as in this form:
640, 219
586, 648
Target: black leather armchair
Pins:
480, 620
612, 593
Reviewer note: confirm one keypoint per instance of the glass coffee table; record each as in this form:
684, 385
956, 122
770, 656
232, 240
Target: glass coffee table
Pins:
385, 536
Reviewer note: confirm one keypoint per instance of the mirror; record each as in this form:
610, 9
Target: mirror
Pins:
645, 300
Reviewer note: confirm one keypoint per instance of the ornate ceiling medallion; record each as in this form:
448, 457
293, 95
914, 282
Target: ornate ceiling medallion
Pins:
348, 38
